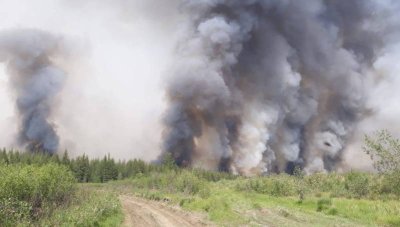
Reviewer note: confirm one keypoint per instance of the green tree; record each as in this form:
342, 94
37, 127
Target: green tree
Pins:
384, 150
81, 168
108, 169
65, 159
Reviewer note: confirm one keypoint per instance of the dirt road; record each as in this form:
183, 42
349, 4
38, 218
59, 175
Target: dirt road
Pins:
139, 212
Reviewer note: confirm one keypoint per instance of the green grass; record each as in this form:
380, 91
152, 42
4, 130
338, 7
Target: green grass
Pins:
90, 207
48, 195
226, 203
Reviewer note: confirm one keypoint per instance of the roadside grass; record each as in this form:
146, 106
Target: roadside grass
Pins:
90, 207
46, 194
275, 202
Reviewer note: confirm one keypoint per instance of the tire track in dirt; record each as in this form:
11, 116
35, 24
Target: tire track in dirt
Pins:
140, 212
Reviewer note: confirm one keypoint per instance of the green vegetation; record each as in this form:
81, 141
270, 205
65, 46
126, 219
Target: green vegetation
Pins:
352, 199
89, 207
40, 189
384, 149
84, 169
48, 195
29, 192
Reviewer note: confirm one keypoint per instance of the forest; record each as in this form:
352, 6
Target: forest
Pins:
42, 189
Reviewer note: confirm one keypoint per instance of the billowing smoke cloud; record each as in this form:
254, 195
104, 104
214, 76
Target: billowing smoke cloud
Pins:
267, 85
112, 99
35, 81
258, 86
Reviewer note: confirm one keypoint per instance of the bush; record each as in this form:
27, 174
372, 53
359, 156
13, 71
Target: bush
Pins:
279, 185
384, 149
173, 181
189, 183
357, 184
213, 176
324, 204
13, 211
26, 192
326, 183
391, 183
87, 208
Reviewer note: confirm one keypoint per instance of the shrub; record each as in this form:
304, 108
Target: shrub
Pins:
391, 183
13, 211
205, 192
213, 176
357, 184
332, 211
188, 183
321, 182
324, 204
55, 183
278, 185
172, 181
25, 191
87, 208
384, 149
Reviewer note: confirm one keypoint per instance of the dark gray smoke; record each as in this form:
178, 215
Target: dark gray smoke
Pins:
35, 81
267, 85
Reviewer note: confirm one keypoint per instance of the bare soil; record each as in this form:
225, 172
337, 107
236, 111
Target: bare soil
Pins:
140, 212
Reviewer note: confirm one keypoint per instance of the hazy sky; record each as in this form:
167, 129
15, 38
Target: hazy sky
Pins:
120, 50
113, 97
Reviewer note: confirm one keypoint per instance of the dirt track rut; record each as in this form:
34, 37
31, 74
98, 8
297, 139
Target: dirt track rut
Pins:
140, 212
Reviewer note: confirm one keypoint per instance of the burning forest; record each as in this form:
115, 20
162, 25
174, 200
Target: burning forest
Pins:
264, 86
248, 87
199, 113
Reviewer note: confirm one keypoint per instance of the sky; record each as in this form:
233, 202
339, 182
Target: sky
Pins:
120, 54
113, 97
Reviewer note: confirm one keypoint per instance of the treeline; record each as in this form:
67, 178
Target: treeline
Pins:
101, 170
84, 169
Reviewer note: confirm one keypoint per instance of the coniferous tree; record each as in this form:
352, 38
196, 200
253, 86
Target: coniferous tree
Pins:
65, 159
81, 168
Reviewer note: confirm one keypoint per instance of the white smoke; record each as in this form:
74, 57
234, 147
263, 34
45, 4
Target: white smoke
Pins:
308, 61
252, 142
296, 78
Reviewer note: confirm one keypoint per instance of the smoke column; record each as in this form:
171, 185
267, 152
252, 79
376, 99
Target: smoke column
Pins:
264, 86
35, 81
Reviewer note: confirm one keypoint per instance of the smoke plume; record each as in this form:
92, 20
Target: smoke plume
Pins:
267, 85
35, 81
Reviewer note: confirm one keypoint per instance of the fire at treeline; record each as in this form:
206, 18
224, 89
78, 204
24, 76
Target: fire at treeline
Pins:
256, 87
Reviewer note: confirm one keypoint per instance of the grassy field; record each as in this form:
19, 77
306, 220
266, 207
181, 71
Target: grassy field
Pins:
275, 200
43, 190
